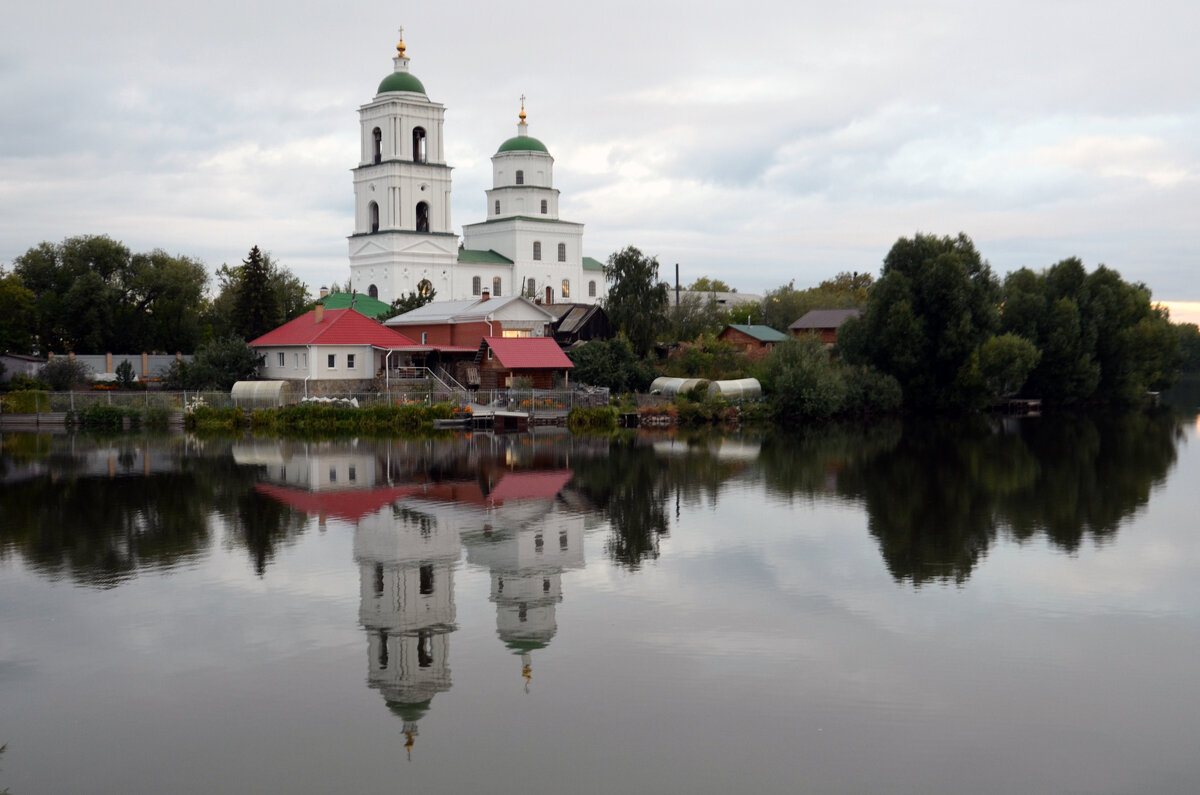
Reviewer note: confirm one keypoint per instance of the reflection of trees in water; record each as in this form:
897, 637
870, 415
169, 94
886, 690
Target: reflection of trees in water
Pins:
100, 518
938, 493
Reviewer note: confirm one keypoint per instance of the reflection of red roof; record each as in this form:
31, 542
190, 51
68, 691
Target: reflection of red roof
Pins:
528, 353
351, 505
338, 327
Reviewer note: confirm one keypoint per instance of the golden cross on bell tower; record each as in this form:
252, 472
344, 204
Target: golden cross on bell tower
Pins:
400, 46
522, 116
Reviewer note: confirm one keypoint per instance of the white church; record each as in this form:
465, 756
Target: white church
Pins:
403, 240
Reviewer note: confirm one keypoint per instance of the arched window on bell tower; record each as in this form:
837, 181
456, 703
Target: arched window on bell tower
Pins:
520, 177
377, 134
418, 144
373, 213
373, 291
422, 217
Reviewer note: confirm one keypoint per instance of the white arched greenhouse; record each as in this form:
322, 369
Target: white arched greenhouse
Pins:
262, 394
670, 387
737, 389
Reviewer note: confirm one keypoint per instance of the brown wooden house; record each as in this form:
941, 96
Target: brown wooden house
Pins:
823, 322
501, 359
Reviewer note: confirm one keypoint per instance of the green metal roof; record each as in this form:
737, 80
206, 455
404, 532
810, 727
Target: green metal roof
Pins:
488, 257
401, 81
522, 143
760, 333
363, 304
590, 264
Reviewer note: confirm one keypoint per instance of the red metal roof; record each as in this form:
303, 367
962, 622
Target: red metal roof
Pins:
528, 353
351, 505
338, 327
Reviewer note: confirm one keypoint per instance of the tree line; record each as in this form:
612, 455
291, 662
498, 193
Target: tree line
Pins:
92, 294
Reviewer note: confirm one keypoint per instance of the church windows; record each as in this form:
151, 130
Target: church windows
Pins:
422, 217
495, 286
592, 289
426, 574
377, 134
373, 216
418, 144
424, 287
537, 249
373, 291
424, 649
520, 177
545, 206
562, 252
497, 206
476, 285
531, 288
566, 288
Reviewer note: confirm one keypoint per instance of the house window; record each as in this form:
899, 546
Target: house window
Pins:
489, 354
418, 144
378, 136
296, 360
282, 357
476, 285
497, 206
333, 474
495, 287
592, 289
350, 361
332, 360
306, 359
566, 290
352, 474
520, 177
373, 216
531, 288
544, 206
422, 217
516, 332
537, 249
424, 337
562, 252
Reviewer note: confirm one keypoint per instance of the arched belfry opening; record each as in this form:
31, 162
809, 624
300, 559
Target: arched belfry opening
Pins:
377, 135
422, 217
373, 291
419, 154
373, 216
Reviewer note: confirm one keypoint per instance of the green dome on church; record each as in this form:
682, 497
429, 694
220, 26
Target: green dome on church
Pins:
401, 81
522, 143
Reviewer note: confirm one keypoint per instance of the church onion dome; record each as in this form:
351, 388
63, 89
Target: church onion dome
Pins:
403, 81
522, 143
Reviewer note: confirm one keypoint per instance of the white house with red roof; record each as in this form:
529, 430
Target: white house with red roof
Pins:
332, 350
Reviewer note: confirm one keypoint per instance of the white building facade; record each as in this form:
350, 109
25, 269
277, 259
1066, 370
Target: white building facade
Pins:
403, 239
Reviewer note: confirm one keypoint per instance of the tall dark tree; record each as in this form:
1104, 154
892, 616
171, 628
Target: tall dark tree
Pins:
935, 303
256, 308
16, 315
637, 299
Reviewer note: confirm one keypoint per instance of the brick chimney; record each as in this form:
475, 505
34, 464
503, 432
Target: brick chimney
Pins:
324, 291
320, 313
487, 294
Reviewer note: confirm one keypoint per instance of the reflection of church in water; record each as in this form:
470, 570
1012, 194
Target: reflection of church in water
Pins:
408, 540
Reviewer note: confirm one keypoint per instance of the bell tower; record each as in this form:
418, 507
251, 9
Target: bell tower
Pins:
403, 240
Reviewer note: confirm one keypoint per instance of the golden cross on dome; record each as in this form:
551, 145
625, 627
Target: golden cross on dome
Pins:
400, 46
522, 116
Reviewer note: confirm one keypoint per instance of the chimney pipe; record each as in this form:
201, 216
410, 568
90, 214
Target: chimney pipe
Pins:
487, 294
320, 313
324, 291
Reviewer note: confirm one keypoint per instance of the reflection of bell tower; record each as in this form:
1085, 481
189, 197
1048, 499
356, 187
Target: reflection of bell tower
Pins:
406, 569
526, 567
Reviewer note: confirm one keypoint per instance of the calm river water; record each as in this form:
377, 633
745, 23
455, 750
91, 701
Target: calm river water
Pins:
927, 608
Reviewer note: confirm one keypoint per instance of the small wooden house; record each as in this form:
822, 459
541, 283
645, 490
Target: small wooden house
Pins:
823, 323
502, 359
753, 340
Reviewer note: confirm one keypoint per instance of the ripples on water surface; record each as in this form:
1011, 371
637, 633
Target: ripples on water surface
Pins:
969, 608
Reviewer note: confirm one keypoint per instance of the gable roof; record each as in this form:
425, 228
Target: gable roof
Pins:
759, 332
527, 353
339, 327
592, 264
489, 257
371, 307
824, 318
470, 310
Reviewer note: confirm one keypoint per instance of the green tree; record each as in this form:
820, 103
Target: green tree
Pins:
1005, 362
935, 303
16, 315
610, 363
124, 373
802, 382
1189, 346
256, 309
414, 300
63, 374
785, 305
280, 295
707, 285
637, 299
692, 317
217, 365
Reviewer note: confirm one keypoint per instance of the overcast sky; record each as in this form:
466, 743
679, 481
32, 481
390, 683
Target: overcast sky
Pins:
759, 142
